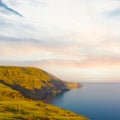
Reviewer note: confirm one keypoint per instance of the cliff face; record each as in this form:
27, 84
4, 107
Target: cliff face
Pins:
32, 82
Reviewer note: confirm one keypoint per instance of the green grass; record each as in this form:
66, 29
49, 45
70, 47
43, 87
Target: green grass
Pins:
32, 82
15, 106
34, 110
27, 77
7, 93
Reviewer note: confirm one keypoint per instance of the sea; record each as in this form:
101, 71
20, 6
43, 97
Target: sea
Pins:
97, 101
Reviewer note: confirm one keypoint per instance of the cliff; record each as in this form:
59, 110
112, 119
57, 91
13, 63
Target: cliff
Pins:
32, 82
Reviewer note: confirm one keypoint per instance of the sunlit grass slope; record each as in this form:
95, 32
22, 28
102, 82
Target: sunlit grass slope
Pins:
32, 82
27, 77
16, 106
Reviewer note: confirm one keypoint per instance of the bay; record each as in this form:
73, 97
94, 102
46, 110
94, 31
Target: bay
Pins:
97, 101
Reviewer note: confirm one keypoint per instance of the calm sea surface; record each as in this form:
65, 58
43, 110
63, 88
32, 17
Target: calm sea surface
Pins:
97, 101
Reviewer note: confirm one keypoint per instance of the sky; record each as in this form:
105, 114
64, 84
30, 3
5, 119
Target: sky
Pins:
76, 40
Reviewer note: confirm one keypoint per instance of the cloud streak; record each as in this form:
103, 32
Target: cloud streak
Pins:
4, 6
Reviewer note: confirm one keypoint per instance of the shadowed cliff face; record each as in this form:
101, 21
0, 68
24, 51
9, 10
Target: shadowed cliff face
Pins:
33, 83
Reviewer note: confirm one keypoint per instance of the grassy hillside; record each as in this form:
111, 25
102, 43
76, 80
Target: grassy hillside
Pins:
27, 77
15, 105
32, 82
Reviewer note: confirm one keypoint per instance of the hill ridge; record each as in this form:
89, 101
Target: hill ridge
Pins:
33, 82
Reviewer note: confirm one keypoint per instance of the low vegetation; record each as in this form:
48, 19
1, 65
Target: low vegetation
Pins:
16, 106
